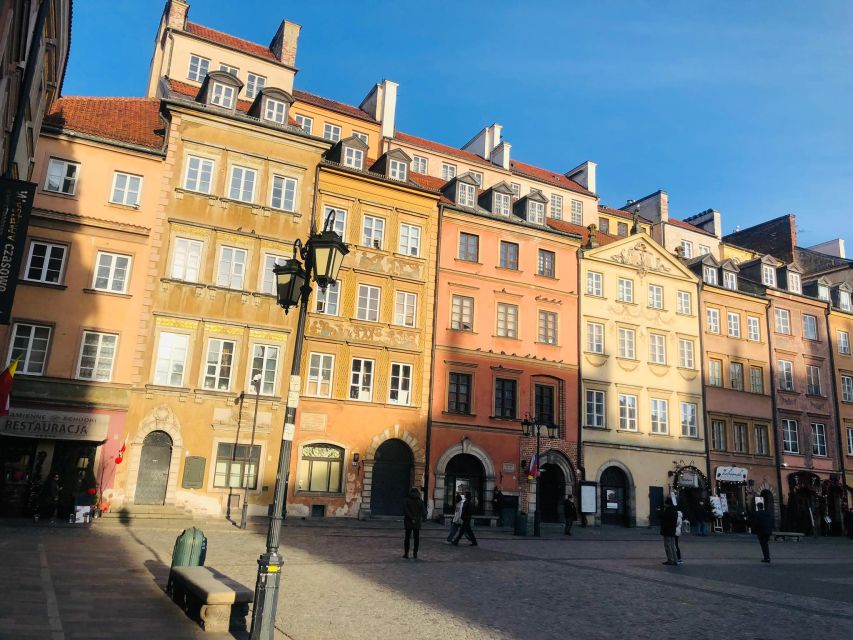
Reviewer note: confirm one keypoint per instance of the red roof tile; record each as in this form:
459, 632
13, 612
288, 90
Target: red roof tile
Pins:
568, 227
620, 213
191, 91
557, 179
441, 148
429, 182
686, 225
331, 105
130, 120
212, 35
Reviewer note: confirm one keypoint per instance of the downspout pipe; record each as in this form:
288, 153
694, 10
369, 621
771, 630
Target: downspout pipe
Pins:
776, 440
836, 404
581, 398
699, 291
428, 447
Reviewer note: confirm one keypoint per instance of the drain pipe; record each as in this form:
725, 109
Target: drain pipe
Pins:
428, 447
776, 441
836, 404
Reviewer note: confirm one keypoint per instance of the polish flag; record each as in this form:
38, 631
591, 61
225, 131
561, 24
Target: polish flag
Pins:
6, 386
534, 468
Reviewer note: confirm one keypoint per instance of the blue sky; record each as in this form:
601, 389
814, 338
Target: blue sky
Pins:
746, 107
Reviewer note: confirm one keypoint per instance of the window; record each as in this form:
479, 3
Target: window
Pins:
509, 255
448, 171
322, 469
790, 436
850, 442
283, 193
227, 68
410, 240
823, 292
660, 416
786, 375
367, 307
655, 296
218, 364
709, 274
126, 189
740, 431
327, 301
96, 356
734, 324
232, 268
353, 157
718, 435
254, 84
627, 412
752, 328
818, 439
812, 380
794, 283
398, 170
459, 393
320, 368
466, 194
536, 212
622, 229
713, 317
242, 184
268, 281
761, 440
505, 394
626, 343
265, 364
809, 327
340, 224
462, 313
577, 212
477, 177
405, 308
715, 373
186, 259
730, 280
469, 247
199, 174
198, 68
45, 262
595, 337
62, 177
548, 327
704, 249
501, 203
373, 232
305, 123
847, 388
222, 95
29, 346
844, 300
685, 354
420, 165
507, 320
736, 375
594, 408
331, 132
401, 384
687, 250
783, 321
689, 424
657, 348
171, 358
756, 379
685, 303
112, 272
557, 207
516, 189
361, 380
594, 283
625, 290
604, 225
543, 403
546, 263
236, 465
843, 343
768, 276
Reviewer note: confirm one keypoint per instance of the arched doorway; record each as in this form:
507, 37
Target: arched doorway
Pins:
614, 497
464, 473
153, 477
392, 478
552, 492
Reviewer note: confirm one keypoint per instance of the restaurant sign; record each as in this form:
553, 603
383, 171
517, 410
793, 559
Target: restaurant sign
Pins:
16, 203
55, 425
731, 474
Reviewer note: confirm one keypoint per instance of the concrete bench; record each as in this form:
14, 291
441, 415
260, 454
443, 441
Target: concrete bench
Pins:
212, 598
784, 535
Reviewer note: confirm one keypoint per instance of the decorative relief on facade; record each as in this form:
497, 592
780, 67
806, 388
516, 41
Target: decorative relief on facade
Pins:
388, 265
188, 230
641, 259
627, 365
313, 422
261, 334
788, 401
230, 330
177, 323
595, 359
379, 335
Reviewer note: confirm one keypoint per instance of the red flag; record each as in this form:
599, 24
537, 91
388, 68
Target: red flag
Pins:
6, 386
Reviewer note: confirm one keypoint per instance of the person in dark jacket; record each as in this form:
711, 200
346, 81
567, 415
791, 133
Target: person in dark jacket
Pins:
413, 515
53, 491
497, 503
763, 527
668, 523
571, 513
467, 514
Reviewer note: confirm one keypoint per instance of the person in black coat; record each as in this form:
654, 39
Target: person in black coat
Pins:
467, 514
668, 524
413, 514
571, 513
763, 527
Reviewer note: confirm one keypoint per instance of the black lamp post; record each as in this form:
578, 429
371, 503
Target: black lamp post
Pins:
256, 382
529, 427
322, 256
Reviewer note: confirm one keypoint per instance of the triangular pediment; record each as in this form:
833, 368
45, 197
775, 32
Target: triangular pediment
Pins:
641, 253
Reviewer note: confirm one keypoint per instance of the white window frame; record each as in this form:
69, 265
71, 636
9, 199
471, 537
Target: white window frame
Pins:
410, 240
594, 284
790, 436
556, 206
753, 328
733, 324
340, 224
183, 261
823, 292
657, 348
795, 283
67, 179
810, 331
709, 275
595, 337
398, 170
736, 376
501, 203
715, 372
461, 309
321, 372
199, 62
785, 374
406, 309
327, 302
204, 167
659, 416
306, 123
536, 212
466, 194
686, 249
169, 359
236, 268
704, 249
129, 196
594, 399
280, 187
689, 420
847, 388
275, 110
100, 348
254, 84
353, 157
625, 290
819, 439
548, 327
730, 280
367, 303
477, 176
331, 132
844, 301
44, 270
783, 321
506, 320
227, 68
712, 319
214, 369
25, 362
577, 212
684, 304
756, 380
768, 275
267, 387
627, 412
267, 281
448, 171
357, 380
112, 267
655, 296
373, 232
686, 356
813, 383
223, 95
400, 384
362, 136
843, 343
244, 176
627, 343
850, 442
420, 165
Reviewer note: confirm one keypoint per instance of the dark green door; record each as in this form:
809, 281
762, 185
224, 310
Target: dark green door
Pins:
154, 468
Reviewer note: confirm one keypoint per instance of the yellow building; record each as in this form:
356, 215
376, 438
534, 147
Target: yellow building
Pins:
643, 432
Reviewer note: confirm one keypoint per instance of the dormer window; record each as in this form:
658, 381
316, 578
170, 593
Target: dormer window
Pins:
536, 212
823, 292
478, 177
794, 284
768, 276
275, 110
353, 157
501, 203
709, 275
397, 170
730, 280
844, 300
222, 95
466, 194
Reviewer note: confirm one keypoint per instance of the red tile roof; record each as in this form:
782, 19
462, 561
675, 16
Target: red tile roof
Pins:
686, 225
441, 148
568, 227
212, 35
191, 91
620, 213
429, 182
130, 120
332, 105
557, 179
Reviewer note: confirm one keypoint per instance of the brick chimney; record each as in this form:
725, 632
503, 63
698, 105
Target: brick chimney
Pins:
584, 175
285, 41
176, 14
381, 104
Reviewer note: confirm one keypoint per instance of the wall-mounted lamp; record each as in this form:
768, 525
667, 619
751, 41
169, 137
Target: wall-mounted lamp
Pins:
355, 458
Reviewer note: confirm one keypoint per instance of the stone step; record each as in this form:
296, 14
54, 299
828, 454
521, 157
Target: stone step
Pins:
149, 511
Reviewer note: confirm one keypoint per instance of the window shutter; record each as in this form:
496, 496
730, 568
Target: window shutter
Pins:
193, 472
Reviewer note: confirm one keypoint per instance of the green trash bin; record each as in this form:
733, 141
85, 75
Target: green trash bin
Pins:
190, 551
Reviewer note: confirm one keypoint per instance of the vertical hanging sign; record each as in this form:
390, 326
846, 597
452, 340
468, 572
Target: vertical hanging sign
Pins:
16, 203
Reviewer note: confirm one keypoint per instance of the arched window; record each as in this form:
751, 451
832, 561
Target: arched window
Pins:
321, 468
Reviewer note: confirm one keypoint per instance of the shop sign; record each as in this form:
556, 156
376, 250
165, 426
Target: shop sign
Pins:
16, 203
731, 474
688, 478
55, 425
589, 497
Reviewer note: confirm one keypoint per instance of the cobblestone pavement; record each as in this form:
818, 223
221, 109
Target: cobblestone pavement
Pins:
347, 580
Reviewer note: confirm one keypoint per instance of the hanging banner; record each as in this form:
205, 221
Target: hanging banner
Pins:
16, 203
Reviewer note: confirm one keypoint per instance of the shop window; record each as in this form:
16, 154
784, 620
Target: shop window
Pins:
321, 468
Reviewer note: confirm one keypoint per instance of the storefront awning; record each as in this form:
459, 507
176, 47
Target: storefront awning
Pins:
55, 425
731, 474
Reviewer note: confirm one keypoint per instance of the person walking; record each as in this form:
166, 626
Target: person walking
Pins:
413, 514
456, 523
763, 527
467, 514
54, 492
679, 524
497, 504
701, 518
570, 513
668, 522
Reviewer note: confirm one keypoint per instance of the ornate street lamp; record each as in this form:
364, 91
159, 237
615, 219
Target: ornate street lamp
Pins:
534, 427
322, 256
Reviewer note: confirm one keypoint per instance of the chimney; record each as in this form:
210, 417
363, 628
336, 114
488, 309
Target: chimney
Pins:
709, 220
176, 14
485, 142
381, 104
584, 175
285, 42
654, 207
500, 156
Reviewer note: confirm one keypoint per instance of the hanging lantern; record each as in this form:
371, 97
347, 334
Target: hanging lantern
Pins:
327, 254
290, 278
